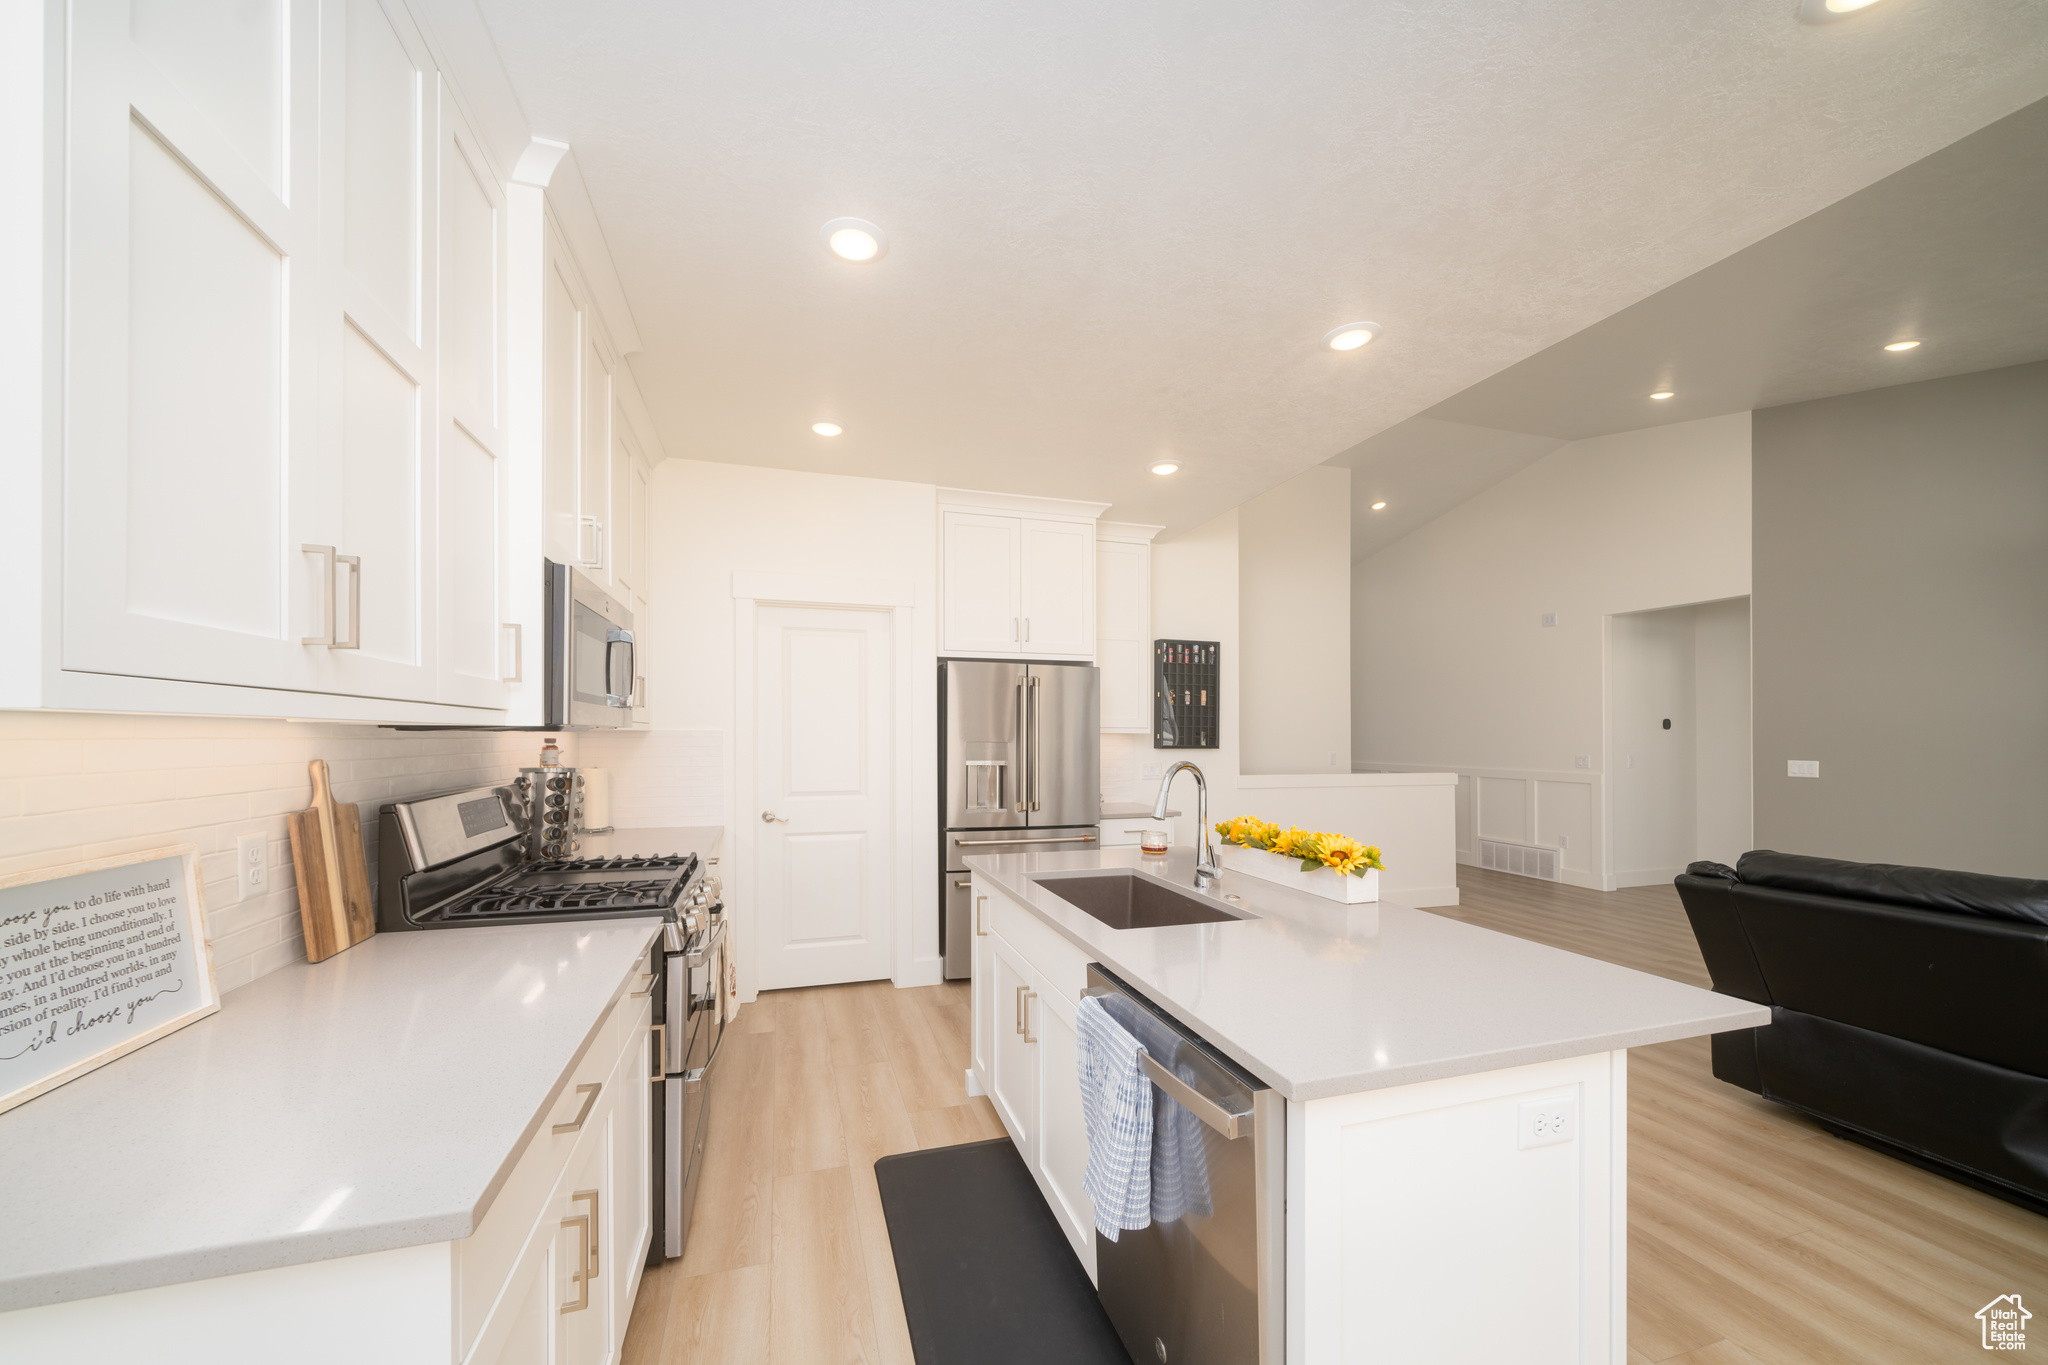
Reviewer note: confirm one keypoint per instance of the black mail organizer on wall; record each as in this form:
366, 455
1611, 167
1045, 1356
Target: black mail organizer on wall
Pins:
1184, 676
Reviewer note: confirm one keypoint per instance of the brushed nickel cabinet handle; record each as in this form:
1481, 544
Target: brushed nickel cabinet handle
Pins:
1029, 996
355, 601
595, 1236
589, 1094
979, 926
326, 582
962, 886
642, 995
660, 1047
1021, 991
581, 1276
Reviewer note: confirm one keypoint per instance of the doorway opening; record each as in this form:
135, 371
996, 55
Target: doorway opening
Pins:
1678, 739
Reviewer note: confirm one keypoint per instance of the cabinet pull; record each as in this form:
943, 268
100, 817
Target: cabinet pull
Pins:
518, 630
1016, 630
962, 886
581, 1276
1027, 630
979, 927
326, 581
596, 1236
355, 602
1065, 839
589, 1094
660, 1047
1025, 1003
1021, 992
642, 995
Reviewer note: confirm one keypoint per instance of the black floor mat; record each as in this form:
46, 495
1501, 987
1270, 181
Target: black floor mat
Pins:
988, 1277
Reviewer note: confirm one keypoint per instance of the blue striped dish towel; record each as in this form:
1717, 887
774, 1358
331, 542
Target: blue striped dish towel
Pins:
1180, 1164
1116, 1109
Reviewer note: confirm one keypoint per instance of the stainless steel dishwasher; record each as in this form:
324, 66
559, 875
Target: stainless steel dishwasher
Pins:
1205, 1284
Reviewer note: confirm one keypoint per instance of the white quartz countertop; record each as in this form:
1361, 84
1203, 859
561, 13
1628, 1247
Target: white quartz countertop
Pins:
1318, 998
1130, 810
373, 1100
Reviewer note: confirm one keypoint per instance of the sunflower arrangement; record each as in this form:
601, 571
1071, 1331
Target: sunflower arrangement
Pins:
1339, 852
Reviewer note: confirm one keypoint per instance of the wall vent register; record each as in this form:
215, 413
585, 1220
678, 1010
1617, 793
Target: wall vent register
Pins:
1524, 860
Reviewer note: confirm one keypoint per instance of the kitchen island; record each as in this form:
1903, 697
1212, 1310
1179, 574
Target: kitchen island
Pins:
1455, 1099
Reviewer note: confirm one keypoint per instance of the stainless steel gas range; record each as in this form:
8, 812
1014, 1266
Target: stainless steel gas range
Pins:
461, 859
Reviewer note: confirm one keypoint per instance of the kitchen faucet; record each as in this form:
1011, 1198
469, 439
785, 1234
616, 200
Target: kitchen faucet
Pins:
1205, 855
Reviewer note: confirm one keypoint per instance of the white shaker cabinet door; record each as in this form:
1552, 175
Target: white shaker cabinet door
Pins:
1014, 1049
1058, 602
1062, 1135
191, 372
564, 319
983, 556
476, 643
981, 991
584, 1265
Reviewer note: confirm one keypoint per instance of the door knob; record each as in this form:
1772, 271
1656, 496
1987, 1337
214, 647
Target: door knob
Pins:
771, 819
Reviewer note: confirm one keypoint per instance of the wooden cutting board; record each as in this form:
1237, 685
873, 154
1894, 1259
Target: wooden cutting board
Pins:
333, 874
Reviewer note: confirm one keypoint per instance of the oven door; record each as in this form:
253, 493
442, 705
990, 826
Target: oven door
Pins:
696, 1012
590, 659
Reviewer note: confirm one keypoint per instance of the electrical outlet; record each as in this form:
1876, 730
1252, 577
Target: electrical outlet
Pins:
1333, 758
1802, 767
252, 864
1542, 1123
1564, 841
1548, 619
1582, 760
1153, 771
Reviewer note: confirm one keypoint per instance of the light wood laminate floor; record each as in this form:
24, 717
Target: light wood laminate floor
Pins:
1755, 1238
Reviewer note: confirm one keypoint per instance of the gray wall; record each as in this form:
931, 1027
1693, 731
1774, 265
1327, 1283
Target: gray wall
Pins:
1901, 623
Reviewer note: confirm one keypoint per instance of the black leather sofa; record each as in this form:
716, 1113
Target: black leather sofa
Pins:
1909, 1006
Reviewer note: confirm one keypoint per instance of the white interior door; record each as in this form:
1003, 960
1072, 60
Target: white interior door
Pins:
823, 705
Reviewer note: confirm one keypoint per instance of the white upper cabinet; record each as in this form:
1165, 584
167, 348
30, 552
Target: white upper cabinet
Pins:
191, 372
1016, 576
981, 578
1059, 587
1123, 624
564, 310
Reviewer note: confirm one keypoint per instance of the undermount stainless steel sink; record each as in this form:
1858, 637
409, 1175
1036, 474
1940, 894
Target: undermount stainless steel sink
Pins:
1133, 900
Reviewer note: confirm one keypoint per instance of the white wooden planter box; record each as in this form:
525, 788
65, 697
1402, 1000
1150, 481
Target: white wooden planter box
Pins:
1335, 886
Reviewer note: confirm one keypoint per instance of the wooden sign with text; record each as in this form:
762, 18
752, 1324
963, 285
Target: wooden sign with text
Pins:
98, 959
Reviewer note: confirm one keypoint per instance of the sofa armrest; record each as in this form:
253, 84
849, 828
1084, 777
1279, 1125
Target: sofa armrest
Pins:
1723, 943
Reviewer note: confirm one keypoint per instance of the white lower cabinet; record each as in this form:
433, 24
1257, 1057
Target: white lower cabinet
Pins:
1026, 990
547, 1278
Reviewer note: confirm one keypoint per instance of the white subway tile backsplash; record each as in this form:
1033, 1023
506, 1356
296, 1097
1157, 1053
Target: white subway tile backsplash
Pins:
79, 785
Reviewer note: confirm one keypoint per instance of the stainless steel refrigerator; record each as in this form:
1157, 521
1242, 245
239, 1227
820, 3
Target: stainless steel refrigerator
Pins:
1020, 761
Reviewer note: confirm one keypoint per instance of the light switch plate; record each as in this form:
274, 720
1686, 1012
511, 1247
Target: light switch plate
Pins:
252, 865
1802, 767
1543, 1123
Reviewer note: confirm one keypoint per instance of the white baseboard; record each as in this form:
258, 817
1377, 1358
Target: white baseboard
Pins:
1567, 876
1646, 876
973, 1085
1422, 897
923, 971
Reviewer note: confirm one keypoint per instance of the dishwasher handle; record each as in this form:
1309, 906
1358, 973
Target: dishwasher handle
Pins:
1231, 1123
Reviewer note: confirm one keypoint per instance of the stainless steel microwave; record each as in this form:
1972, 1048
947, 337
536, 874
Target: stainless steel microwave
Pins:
590, 663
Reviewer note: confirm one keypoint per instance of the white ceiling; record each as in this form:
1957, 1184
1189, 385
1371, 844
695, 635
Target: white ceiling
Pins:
1117, 231
1952, 252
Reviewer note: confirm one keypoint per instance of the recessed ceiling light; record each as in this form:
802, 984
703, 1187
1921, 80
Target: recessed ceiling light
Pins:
1661, 394
827, 428
1166, 467
1379, 507
1351, 335
854, 239
1828, 11
1902, 346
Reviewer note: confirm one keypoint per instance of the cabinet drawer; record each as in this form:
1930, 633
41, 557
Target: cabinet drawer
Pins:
487, 1258
1064, 967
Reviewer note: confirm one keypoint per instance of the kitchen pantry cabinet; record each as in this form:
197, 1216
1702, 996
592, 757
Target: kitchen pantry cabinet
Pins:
1026, 988
1016, 576
1123, 624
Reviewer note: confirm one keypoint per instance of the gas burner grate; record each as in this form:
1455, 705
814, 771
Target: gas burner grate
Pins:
621, 864
517, 900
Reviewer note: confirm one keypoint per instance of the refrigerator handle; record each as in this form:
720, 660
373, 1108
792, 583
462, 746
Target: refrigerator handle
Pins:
1037, 740
1023, 753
